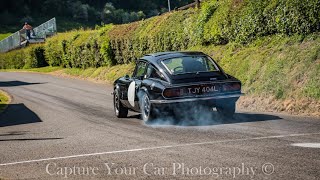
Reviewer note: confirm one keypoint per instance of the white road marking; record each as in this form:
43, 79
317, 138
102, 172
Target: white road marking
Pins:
159, 147
307, 145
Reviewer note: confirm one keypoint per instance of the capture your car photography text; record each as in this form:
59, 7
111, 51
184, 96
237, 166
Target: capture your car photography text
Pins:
175, 169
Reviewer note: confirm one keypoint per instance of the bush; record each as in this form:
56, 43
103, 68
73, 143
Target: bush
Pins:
80, 49
35, 57
12, 60
30, 57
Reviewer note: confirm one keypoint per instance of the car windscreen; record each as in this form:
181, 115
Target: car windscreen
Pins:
189, 64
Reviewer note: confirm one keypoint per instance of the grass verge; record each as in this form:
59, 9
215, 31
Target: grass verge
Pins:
101, 74
107, 74
4, 100
47, 69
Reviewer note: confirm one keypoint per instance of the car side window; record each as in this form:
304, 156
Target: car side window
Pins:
140, 69
152, 72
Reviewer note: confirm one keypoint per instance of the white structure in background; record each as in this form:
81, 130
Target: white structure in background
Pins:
19, 38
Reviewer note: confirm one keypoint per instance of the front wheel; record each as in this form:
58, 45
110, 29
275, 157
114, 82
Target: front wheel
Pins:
227, 111
147, 110
119, 110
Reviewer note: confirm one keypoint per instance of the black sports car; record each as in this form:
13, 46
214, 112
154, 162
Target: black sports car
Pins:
163, 82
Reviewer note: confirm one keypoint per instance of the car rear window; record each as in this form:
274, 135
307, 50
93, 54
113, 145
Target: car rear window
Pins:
189, 64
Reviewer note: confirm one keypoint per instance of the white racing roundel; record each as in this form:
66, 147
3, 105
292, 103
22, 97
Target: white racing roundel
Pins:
132, 93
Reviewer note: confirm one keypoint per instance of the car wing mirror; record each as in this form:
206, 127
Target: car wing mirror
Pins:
127, 77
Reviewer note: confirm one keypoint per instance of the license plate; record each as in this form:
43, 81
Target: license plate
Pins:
203, 89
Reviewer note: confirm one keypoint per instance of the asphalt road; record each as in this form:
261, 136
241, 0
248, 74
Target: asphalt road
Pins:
58, 128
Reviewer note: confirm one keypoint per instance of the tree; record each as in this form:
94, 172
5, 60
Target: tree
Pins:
114, 11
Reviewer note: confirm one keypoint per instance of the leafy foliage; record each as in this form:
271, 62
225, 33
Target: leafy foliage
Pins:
80, 49
35, 57
30, 57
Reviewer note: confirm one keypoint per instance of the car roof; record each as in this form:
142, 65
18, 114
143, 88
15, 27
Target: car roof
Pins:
166, 55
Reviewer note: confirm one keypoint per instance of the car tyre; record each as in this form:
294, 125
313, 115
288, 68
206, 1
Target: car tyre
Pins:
148, 113
119, 109
227, 111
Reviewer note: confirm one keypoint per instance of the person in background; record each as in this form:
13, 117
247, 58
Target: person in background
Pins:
28, 29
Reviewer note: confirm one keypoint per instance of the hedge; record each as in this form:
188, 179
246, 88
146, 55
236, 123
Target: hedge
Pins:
218, 22
30, 57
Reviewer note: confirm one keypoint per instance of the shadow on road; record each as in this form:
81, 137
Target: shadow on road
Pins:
136, 116
30, 139
16, 83
17, 114
209, 119
246, 117
15, 133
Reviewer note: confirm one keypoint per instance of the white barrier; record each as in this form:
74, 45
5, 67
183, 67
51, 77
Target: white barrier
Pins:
14, 41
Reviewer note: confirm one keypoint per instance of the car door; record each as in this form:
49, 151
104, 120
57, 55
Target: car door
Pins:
135, 84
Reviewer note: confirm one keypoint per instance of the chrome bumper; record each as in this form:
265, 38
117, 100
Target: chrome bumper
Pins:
166, 101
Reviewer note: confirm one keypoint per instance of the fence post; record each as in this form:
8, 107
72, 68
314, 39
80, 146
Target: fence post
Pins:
19, 38
55, 25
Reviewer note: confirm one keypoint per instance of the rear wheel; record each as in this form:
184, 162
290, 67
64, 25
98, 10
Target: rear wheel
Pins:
227, 110
147, 111
119, 110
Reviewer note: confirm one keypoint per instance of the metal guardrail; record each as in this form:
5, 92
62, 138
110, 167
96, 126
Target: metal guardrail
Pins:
45, 29
14, 41
11, 42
